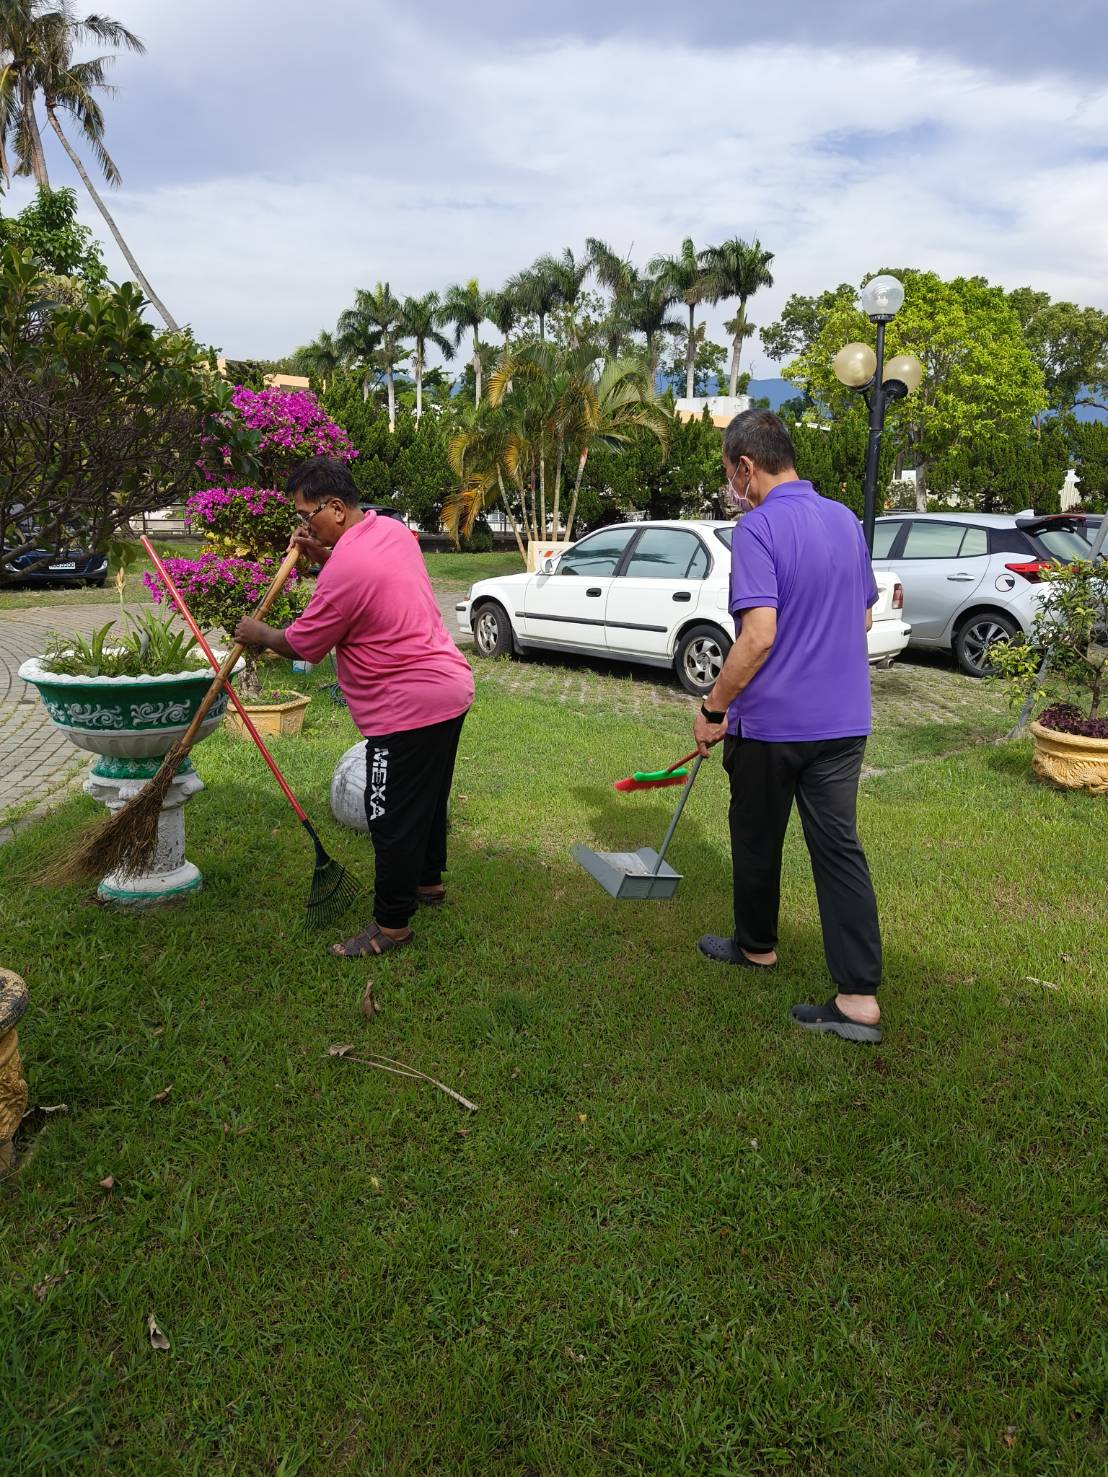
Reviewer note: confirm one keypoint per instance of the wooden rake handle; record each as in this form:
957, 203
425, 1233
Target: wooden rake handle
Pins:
227, 666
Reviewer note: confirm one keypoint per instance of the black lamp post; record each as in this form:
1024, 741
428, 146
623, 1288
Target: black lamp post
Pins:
861, 369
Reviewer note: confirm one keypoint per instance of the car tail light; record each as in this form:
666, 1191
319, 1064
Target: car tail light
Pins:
898, 596
1032, 571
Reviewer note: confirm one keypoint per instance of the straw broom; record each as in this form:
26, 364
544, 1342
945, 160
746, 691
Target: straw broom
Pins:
125, 843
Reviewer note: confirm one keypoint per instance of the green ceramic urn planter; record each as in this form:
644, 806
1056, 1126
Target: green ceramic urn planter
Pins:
130, 723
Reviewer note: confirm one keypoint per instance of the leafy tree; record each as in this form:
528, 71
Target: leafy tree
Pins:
832, 456
100, 417
1006, 473
1070, 346
708, 370
980, 379
1089, 445
680, 478
802, 321
48, 226
465, 308
738, 269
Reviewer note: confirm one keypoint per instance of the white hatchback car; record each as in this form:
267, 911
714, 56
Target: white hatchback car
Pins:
655, 593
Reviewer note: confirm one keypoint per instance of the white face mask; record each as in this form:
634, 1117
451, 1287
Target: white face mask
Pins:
736, 501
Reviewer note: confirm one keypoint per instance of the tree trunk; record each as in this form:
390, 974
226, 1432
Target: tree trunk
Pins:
542, 327
921, 487
736, 350
557, 490
162, 310
365, 388
542, 487
418, 384
392, 398
576, 489
477, 367
690, 356
511, 517
38, 155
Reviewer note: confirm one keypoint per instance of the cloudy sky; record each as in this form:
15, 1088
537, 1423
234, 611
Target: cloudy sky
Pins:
277, 154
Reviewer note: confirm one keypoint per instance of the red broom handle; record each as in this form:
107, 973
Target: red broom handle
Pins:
248, 724
679, 763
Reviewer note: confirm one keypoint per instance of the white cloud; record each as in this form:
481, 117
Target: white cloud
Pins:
840, 163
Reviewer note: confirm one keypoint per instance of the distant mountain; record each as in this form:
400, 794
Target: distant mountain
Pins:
775, 391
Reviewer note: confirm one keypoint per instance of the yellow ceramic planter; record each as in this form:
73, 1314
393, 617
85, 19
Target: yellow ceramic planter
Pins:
282, 719
1070, 760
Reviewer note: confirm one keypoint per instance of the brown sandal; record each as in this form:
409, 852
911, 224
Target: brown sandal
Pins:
429, 899
368, 944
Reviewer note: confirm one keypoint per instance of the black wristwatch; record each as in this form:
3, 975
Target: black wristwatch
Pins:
712, 717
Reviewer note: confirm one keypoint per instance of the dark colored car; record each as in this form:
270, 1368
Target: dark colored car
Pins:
68, 567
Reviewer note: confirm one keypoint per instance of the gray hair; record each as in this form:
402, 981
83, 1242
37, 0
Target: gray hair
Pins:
761, 436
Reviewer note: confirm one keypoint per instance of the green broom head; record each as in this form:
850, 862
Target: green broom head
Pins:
333, 888
652, 779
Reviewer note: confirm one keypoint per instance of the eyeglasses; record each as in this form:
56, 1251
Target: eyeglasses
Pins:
306, 518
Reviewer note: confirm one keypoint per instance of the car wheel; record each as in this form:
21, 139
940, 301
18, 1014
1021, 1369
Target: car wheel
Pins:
976, 634
492, 630
701, 653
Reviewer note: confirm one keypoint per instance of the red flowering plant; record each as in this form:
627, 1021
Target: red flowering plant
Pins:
219, 591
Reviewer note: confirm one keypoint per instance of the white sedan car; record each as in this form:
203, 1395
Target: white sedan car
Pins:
655, 593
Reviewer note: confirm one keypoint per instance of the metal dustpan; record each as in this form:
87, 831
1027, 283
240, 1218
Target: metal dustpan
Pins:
643, 873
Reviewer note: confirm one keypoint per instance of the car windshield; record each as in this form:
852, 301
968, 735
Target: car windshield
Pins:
1062, 542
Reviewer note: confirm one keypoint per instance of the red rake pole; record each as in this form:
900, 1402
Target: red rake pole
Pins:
333, 889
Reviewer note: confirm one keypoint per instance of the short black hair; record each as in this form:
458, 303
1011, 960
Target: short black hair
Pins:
760, 435
322, 477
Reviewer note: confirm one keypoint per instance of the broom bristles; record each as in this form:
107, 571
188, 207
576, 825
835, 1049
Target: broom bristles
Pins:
125, 843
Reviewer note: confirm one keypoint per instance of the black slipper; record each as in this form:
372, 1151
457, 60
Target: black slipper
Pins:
830, 1019
727, 951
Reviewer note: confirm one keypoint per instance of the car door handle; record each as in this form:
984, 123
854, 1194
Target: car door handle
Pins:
596, 590
961, 579
683, 595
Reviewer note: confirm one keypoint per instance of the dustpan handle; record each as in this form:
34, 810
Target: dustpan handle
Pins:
693, 772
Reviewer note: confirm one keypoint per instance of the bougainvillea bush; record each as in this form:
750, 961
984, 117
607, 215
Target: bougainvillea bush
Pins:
219, 591
246, 522
266, 432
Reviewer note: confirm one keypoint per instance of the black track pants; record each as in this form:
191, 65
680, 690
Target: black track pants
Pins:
408, 777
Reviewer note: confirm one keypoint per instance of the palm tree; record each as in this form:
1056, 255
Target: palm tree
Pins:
319, 358
738, 269
547, 407
502, 311
615, 272
647, 312
70, 87
418, 321
687, 278
465, 309
535, 291
370, 332
563, 277
20, 45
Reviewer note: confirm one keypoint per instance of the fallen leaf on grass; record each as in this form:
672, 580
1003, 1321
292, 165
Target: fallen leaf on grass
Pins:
370, 1004
572, 1354
40, 1289
1046, 984
375, 1184
158, 1339
340, 1048
582, 1117
108, 1182
1009, 1437
163, 1096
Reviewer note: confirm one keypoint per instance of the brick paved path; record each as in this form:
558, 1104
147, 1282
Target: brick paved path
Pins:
38, 765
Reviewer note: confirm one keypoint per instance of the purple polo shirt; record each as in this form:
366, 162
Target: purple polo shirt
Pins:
805, 556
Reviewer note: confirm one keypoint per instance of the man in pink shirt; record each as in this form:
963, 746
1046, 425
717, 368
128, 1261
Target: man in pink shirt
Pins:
407, 686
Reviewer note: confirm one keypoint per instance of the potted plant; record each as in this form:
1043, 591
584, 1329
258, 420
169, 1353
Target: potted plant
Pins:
127, 698
1070, 636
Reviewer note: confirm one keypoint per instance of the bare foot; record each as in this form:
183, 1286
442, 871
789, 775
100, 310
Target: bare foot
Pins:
861, 1008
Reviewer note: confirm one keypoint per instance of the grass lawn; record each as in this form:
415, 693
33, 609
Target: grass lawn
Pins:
459, 571
31, 597
678, 1236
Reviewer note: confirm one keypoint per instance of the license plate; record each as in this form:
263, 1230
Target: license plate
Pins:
62, 566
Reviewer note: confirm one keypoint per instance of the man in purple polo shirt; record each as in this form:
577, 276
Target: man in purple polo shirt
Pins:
792, 708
